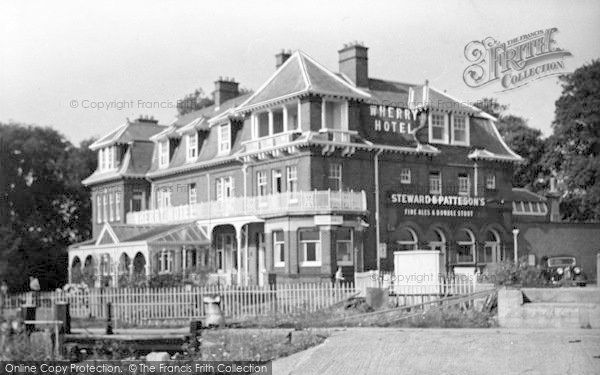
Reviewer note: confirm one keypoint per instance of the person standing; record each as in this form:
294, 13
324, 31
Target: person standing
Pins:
34, 285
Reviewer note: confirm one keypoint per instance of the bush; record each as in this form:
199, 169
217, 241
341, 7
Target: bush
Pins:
511, 274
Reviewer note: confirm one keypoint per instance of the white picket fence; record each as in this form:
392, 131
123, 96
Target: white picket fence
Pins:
146, 306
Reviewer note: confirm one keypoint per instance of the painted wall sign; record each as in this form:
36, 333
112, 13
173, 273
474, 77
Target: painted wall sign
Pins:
392, 119
437, 205
439, 200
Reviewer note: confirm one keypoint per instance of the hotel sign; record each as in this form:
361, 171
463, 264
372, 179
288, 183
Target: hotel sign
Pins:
390, 119
438, 205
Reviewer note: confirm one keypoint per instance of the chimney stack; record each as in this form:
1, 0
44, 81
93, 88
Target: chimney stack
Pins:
354, 63
282, 57
146, 120
225, 89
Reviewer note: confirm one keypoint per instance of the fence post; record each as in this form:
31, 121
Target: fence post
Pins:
109, 328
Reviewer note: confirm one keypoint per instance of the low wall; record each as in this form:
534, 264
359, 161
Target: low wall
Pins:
549, 308
562, 295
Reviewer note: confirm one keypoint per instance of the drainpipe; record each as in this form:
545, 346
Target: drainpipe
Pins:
377, 235
475, 176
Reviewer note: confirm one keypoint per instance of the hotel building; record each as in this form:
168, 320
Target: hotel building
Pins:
306, 174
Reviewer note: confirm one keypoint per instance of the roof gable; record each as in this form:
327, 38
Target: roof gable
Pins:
301, 74
107, 236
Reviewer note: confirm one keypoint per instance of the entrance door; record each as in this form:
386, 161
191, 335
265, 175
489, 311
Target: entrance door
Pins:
491, 252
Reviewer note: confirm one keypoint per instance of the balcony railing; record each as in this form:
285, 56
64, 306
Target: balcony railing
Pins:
275, 140
274, 204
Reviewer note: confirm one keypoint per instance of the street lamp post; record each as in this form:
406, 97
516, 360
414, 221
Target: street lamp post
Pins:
515, 249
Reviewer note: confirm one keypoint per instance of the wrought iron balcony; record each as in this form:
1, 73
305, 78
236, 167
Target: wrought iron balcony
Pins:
324, 201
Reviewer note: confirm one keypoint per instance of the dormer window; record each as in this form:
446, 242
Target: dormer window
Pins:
192, 147
106, 159
163, 154
460, 130
224, 138
438, 128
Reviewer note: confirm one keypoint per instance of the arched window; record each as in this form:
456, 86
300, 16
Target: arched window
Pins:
438, 241
124, 263
105, 265
408, 239
465, 249
491, 251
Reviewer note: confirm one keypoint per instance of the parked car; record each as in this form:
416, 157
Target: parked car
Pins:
563, 270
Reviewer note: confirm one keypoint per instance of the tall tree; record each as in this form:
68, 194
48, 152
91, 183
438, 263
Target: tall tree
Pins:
574, 147
42, 209
193, 102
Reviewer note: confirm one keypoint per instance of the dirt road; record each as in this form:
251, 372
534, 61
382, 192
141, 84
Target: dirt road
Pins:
449, 351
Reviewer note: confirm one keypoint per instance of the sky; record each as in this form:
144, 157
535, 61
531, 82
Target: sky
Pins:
62, 60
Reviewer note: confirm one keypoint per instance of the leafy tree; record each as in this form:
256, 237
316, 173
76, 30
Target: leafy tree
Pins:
193, 102
42, 207
491, 106
574, 148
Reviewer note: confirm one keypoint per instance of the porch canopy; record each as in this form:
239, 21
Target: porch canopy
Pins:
184, 234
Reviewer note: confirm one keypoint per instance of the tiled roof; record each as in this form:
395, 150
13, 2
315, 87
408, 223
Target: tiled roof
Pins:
300, 75
135, 163
390, 93
488, 143
127, 133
